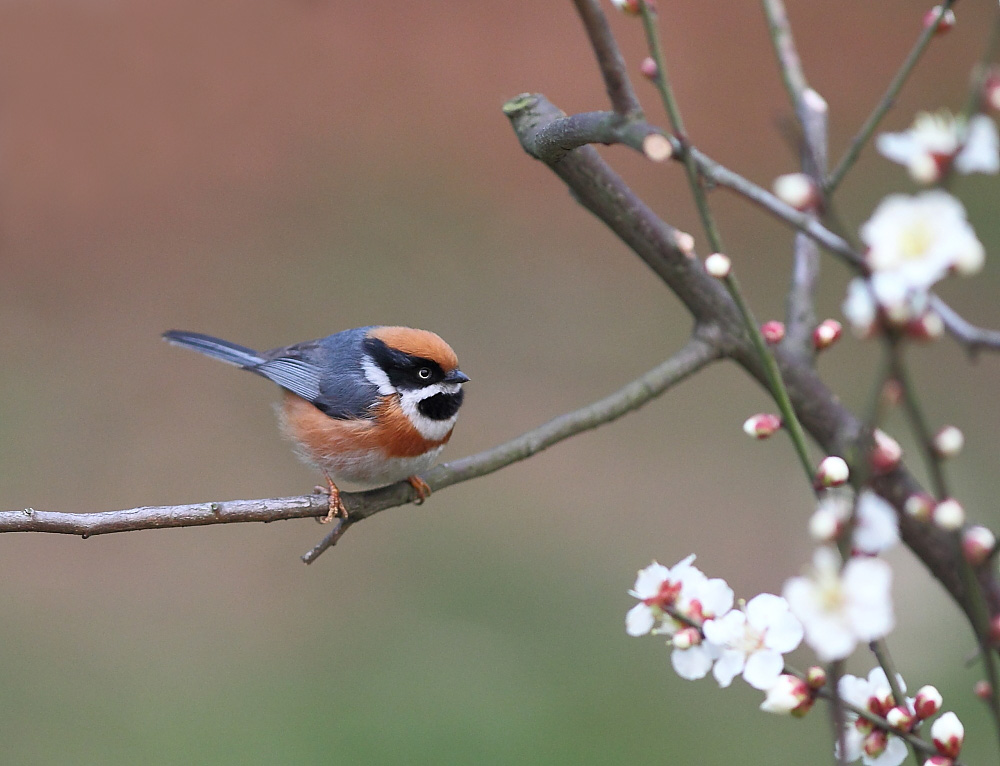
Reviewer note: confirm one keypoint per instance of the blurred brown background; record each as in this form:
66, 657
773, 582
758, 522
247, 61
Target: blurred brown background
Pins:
275, 171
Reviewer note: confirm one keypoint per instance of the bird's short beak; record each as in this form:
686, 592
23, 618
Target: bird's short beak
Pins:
456, 376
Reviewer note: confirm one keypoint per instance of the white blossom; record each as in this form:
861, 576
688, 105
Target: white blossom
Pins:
838, 608
753, 640
938, 142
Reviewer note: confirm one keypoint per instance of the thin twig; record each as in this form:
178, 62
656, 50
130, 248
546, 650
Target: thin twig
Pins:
885, 103
974, 338
692, 357
609, 58
663, 85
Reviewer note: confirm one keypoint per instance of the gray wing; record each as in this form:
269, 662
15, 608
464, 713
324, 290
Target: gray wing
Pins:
325, 372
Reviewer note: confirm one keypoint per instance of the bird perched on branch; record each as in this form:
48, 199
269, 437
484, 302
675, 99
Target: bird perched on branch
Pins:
369, 406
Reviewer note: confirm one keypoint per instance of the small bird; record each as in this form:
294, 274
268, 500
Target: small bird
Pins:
369, 406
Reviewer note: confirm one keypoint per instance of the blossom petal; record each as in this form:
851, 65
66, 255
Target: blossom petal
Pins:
728, 666
762, 669
693, 663
639, 620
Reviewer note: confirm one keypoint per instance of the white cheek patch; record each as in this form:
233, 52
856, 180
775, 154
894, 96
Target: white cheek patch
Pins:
376, 376
432, 430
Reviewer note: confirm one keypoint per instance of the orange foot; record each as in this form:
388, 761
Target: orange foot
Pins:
422, 487
337, 509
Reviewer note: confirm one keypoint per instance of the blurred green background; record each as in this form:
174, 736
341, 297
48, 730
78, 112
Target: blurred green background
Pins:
272, 172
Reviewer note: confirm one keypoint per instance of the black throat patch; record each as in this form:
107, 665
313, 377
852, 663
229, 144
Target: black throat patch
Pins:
441, 406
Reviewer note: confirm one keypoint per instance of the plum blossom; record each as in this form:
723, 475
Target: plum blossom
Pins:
701, 600
657, 587
838, 608
876, 526
753, 640
913, 242
939, 142
873, 745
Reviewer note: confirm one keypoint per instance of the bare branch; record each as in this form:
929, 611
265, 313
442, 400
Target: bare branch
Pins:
698, 352
609, 58
975, 339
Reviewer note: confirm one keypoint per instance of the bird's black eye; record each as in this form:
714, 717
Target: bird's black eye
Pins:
424, 373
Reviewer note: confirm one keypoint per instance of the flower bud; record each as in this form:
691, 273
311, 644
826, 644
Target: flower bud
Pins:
685, 638
657, 147
978, 544
797, 190
685, 243
947, 19
948, 442
886, 452
928, 326
762, 426
948, 734
995, 630
648, 68
630, 7
832, 472
991, 91
983, 690
718, 265
816, 677
900, 718
919, 506
788, 696
938, 760
875, 743
773, 331
826, 334
949, 514
927, 702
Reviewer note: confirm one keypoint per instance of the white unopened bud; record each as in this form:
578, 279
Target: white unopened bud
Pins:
657, 147
832, 472
686, 638
824, 525
718, 265
948, 442
788, 696
900, 718
762, 426
919, 506
797, 190
949, 514
927, 702
948, 734
886, 452
826, 334
947, 19
977, 544
684, 242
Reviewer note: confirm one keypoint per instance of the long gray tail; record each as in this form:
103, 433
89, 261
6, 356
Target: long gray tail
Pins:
216, 348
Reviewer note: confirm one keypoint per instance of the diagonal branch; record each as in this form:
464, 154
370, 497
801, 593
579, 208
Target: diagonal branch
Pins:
698, 352
609, 58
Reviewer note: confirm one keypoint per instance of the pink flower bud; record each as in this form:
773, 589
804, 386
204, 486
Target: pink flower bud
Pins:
816, 677
648, 68
982, 689
788, 696
978, 544
949, 514
928, 326
991, 91
947, 19
630, 7
685, 243
825, 525
919, 506
900, 718
886, 452
773, 331
832, 472
948, 734
797, 190
762, 426
927, 702
995, 630
948, 442
657, 147
718, 265
938, 760
826, 334
875, 743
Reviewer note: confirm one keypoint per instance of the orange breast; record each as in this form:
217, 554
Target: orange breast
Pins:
326, 441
